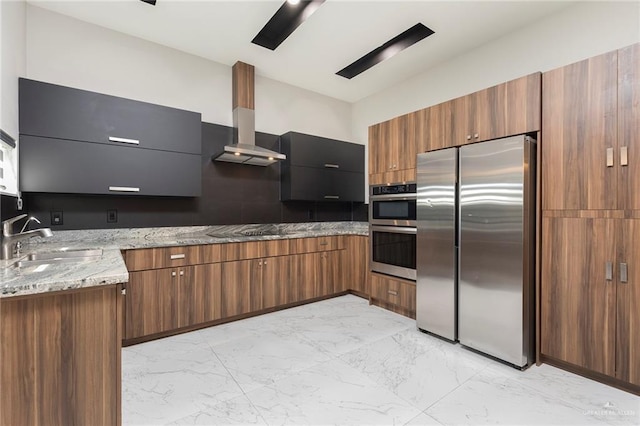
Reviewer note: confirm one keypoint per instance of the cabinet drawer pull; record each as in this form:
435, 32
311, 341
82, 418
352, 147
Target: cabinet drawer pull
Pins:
177, 256
609, 157
332, 197
392, 292
332, 166
623, 273
324, 243
624, 156
608, 274
123, 189
124, 140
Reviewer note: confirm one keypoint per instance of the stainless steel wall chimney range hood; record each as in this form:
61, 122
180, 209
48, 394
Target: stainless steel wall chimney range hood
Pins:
245, 151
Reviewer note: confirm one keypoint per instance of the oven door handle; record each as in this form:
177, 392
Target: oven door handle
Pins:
394, 229
393, 197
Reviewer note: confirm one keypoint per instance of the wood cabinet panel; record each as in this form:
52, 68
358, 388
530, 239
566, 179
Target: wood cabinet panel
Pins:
628, 304
578, 301
355, 269
579, 114
61, 358
310, 245
377, 162
629, 127
275, 282
523, 110
396, 292
200, 294
327, 267
236, 287
166, 257
151, 302
397, 176
303, 277
243, 85
438, 127
239, 251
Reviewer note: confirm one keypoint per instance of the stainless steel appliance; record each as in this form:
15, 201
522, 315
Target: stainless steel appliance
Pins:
476, 219
392, 229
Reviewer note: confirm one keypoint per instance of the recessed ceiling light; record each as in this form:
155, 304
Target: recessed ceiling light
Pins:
287, 18
387, 50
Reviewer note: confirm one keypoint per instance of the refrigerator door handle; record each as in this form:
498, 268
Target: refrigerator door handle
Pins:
608, 274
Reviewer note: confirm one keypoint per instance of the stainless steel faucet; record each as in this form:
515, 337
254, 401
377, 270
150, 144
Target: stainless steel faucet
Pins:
10, 241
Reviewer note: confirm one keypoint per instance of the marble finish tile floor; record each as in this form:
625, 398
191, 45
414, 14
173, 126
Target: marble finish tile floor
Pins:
341, 361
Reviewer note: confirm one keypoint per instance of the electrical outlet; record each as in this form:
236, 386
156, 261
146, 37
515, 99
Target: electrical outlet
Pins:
112, 216
56, 218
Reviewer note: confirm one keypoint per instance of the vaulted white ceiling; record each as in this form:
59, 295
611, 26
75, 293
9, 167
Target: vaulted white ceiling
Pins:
337, 34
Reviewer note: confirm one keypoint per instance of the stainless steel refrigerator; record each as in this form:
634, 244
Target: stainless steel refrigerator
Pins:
475, 246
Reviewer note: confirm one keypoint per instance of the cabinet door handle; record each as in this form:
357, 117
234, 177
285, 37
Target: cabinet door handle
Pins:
332, 166
609, 157
608, 273
623, 273
123, 189
476, 136
173, 274
392, 292
624, 156
332, 197
124, 140
181, 273
177, 256
468, 137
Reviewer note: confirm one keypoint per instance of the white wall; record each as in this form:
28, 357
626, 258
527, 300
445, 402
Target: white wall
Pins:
70, 52
574, 33
12, 65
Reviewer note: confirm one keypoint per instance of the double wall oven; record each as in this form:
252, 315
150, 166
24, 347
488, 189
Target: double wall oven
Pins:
392, 229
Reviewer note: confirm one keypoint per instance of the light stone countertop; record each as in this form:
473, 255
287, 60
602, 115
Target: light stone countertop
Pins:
110, 267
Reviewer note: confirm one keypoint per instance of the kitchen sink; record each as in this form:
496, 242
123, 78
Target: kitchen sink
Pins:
64, 254
60, 256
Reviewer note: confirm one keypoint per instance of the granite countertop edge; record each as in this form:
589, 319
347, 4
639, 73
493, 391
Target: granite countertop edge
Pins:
110, 268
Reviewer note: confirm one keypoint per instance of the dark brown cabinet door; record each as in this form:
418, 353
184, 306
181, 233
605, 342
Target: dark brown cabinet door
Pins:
578, 298
629, 127
236, 287
151, 302
579, 112
438, 127
628, 303
275, 281
199, 294
303, 277
377, 154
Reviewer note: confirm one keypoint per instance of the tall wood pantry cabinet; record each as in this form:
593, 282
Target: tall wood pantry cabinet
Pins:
590, 281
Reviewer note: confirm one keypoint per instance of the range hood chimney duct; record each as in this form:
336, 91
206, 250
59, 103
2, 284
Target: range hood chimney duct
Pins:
244, 150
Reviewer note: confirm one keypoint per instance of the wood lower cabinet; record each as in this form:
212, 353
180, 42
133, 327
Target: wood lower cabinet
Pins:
236, 287
60, 357
274, 282
628, 304
251, 277
394, 293
161, 300
355, 265
578, 315
591, 295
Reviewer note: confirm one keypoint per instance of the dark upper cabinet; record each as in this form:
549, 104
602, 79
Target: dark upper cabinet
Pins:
313, 184
315, 151
49, 110
64, 166
321, 169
